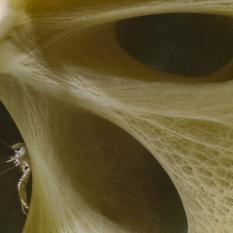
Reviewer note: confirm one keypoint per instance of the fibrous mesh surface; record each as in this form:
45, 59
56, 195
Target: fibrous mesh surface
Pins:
70, 87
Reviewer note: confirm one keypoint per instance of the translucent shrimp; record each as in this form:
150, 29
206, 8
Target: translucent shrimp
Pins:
21, 159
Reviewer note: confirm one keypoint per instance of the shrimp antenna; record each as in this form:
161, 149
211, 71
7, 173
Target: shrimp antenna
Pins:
4, 143
3, 163
7, 170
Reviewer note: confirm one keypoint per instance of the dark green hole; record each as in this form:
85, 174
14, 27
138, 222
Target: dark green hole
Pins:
186, 44
11, 217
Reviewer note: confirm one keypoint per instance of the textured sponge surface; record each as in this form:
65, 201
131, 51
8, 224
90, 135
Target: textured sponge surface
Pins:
95, 121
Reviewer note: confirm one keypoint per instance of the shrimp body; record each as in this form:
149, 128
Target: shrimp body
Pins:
21, 159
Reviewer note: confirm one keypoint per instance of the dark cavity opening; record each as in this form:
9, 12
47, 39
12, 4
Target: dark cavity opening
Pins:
11, 217
180, 43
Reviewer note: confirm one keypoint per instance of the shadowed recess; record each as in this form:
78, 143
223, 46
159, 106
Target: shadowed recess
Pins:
11, 217
186, 44
116, 175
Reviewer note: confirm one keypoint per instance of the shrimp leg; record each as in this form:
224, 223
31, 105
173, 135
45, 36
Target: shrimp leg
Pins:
22, 189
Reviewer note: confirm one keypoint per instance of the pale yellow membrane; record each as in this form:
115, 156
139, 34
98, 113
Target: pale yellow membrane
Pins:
58, 58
